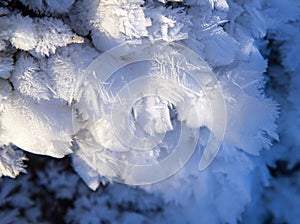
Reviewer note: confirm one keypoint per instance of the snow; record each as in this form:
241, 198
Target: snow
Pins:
193, 102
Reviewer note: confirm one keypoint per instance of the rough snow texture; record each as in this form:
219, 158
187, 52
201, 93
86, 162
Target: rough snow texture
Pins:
45, 49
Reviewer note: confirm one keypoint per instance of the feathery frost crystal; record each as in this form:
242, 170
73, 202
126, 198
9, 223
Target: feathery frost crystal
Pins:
171, 96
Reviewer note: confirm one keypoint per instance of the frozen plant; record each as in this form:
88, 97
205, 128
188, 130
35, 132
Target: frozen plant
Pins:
11, 161
63, 94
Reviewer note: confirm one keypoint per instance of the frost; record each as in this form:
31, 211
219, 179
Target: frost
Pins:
18, 113
6, 67
54, 34
255, 122
11, 161
36, 5
168, 24
29, 79
49, 6
254, 19
151, 116
41, 36
120, 17
118, 20
81, 14
50, 105
208, 38
24, 36
65, 69
216, 49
